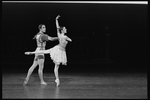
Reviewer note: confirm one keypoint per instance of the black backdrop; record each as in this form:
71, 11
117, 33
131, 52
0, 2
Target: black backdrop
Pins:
101, 34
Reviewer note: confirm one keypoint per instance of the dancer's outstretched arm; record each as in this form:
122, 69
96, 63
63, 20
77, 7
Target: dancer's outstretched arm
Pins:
38, 52
52, 38
68, 39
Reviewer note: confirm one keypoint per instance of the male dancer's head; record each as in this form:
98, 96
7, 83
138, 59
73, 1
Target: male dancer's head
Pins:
42, 28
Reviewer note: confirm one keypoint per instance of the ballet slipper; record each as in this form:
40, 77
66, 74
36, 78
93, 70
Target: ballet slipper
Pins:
25, 82
43, 83
57, 82
27, 53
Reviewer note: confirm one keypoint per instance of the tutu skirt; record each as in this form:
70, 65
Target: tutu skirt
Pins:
57, 55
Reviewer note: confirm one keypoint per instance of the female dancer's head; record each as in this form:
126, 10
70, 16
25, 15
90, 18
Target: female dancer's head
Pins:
63, 30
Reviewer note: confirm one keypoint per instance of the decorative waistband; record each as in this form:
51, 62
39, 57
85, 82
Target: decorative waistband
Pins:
61, 48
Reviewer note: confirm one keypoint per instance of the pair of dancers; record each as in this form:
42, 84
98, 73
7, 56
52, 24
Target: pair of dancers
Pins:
57, 53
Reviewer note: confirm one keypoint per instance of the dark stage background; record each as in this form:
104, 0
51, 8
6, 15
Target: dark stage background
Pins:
105, 37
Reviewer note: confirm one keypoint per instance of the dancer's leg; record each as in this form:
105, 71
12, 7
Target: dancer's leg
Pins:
40, 71
56, 73
38, 52
35, 63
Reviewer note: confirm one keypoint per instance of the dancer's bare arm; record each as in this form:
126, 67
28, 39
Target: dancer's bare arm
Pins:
68, 39
52, 38
57, 26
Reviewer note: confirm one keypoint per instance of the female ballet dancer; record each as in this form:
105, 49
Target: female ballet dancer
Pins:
57, 53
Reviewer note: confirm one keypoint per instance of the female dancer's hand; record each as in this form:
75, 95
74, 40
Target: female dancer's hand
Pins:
57, 16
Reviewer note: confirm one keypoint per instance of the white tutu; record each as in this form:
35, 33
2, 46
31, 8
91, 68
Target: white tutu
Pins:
58, 55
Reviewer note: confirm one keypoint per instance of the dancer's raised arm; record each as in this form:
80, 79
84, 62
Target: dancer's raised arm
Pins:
57, 25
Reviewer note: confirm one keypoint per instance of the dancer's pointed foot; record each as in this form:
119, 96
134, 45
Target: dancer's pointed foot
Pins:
57, 82
28, 53
43, 83
25, 81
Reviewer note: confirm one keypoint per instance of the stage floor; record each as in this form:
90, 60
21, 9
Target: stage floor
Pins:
77, 86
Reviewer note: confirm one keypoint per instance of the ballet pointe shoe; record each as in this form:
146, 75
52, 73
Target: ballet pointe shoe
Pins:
43, 83
27, 53
57, 82
25, 81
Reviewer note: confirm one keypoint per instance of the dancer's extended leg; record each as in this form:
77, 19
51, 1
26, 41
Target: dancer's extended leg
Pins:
38, 52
